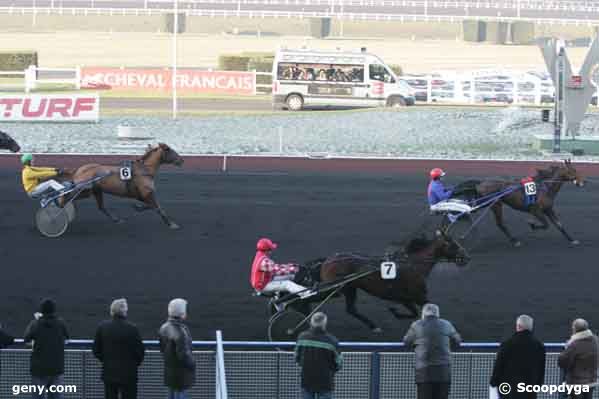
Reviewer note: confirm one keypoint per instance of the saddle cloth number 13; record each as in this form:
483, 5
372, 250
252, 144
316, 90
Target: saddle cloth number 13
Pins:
530, 188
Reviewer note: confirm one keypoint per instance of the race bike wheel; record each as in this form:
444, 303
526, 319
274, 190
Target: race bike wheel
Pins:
463, 231
52, 221
285, 326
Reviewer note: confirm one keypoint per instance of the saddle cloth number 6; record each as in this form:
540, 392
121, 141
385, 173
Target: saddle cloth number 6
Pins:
530, 188
388, 270
125, 173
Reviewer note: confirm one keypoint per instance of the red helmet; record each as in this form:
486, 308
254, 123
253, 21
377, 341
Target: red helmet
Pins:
265, 244
436, 173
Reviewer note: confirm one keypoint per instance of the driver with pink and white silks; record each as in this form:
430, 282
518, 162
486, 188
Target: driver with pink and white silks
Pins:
268, 276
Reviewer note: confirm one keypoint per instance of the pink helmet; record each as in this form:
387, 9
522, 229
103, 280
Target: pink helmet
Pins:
436, 173
265, 244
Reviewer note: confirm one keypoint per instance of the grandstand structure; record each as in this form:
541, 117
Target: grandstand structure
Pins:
573, 12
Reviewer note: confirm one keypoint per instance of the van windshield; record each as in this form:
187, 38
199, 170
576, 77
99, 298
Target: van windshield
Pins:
380, 73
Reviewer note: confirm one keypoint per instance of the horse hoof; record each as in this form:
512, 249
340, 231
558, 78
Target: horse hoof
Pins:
377, 330
517, 244
174, 226
575, 242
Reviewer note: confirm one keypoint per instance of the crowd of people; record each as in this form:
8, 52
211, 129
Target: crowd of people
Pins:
520, 360
329, 73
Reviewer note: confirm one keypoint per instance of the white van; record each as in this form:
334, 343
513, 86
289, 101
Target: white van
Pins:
308, 78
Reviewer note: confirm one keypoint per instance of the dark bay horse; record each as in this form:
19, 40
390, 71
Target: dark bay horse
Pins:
141, 186
415, 263
8, 143
549, 182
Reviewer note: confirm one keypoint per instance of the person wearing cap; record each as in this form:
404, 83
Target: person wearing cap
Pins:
48, 335
268, 276
37, 180
437, 191
317, 353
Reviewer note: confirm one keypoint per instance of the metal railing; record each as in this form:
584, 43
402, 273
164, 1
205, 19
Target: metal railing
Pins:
268, 370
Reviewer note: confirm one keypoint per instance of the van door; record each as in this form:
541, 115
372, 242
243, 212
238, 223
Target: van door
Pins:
382, 83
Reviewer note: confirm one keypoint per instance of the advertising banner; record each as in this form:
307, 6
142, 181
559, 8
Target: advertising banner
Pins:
50, 107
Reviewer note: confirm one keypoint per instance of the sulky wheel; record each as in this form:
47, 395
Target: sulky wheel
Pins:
463, 231
285, 326
52, 221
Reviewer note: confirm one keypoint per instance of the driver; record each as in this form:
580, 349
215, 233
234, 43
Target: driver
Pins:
437, 191
37, 180
268, 276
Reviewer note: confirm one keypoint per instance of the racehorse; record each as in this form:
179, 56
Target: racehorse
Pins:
8, 143
416, 261
549, 182
141, 185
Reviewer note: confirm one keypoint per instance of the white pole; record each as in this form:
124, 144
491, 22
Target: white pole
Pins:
174, 74
34, 14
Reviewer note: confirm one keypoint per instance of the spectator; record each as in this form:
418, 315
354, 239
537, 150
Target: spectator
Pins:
118, 346
521, 359
322, 75
431, 338
579, 359
175, 345
5, 339
48, 335
318, 355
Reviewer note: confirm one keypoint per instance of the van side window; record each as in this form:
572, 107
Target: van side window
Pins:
320, 72
380, 73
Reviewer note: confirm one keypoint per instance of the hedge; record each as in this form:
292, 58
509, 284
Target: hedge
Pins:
17, 61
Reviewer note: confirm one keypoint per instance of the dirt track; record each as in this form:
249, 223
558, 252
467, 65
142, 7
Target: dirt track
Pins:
208, 261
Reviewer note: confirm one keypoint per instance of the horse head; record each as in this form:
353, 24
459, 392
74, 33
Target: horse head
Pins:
567, 172
8, 143
441, 247
447, 248
167, 154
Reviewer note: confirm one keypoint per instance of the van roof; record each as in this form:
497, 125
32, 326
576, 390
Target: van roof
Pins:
324, 56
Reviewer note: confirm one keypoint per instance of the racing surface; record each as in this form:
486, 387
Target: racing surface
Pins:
222, 216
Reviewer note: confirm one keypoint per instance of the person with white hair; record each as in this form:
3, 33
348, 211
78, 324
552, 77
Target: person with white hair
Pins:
176, 348
520, 359
579, 359
432, 337
317, 353
118, 346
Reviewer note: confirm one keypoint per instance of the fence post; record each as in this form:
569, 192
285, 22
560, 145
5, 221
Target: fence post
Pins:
375, 375
429, 89
30, 78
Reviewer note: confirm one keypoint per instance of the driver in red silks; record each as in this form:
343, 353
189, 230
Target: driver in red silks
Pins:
268, 276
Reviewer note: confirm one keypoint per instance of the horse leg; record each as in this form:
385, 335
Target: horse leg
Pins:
152, 203
412, 307
497, 209
351, 295
558, 224
540, 216
100, 201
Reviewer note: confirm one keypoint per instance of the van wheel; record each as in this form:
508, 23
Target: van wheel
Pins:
295, 102
396, 102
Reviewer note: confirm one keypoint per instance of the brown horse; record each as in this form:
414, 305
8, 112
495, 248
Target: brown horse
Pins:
141, 186
549, 182
8, 143
415, 263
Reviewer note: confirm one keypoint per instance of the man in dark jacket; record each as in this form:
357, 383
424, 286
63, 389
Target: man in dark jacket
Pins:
118, 346
176, 348
431, 338
317, 353
521, 359
48, 335
579, 359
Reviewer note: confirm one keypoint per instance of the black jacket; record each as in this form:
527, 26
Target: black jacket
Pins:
521, 359
175, 345
119, 347
49, 334
5, 339
317, 352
